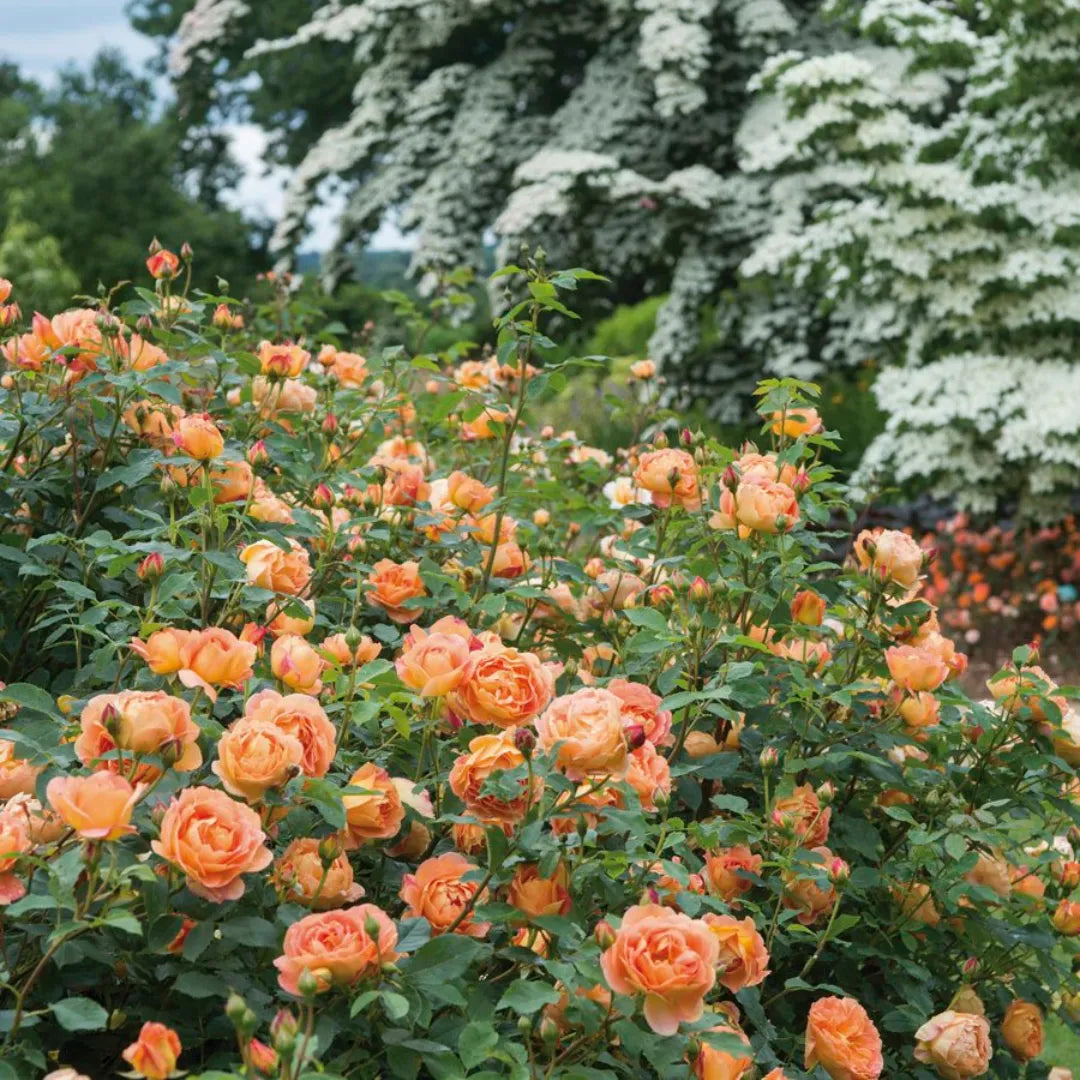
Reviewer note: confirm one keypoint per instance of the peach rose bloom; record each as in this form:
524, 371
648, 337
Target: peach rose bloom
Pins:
283, 622
641, 707
587, 727
284, 361
296, 663
502, 687
339, 948
916, 902
467, 493
1066, 918
17, 775
714, 1064
511, 561
796, 421
842, 1039
915, 669
536, 895
375, 815
437, 893
214, 840
301, 878
668, 957
303, 717
198, 437
216, 657
142, 721
743, 957
489, 755
991, 872
233, 481
97, 807
15, 840
393, 585
140, 354
154, 1053
727, 872
648, 773
896, 556
163, 650
269, 567
806, 894
957, 1044
671, 475
44, 825
802, 810
766, 506
921, 710
349, 370
337, 649
1022, 1030
255, 756
433, 664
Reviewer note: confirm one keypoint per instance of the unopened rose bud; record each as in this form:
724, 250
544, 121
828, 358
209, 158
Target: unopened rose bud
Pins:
660, 441
1067, 873
524, 1025
604, 935
635, 736
700, 744
257, 453
525, 741
769, 758
329, 850
801, 484
307, 984
971, 965
322, 497
155, 246
111, 720
826, 793
170, 752
594, 567
185, 251
549, 1031
371, 927
699, 590
9, 315
222, 317
808, 608
541, 518
573, 529
144, 324
330, 424
263, 1058
686, 437
151, 568
730, 478
839, 872
661, 596
284, 1029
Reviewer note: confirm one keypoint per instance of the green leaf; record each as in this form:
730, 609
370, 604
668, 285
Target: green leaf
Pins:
253, 931
527, 996
441, 960
32, 697
327, 800
79, 1014
956, 845
396, 1005
198, 984
475, 1043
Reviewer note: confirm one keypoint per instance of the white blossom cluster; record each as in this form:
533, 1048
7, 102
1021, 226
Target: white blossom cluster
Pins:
201, 32
925, 208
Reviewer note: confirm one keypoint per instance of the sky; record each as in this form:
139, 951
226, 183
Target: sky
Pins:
41, 36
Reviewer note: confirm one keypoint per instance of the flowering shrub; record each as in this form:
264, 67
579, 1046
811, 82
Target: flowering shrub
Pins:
355, 726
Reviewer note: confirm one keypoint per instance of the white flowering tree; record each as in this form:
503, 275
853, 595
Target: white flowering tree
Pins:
603, 128
926, 208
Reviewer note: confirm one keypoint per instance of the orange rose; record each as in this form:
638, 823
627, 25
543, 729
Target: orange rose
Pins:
287, 396
890, 554
154, 1053
811, 896
255, 756
338, 948
298, 619
766, 506
991, 872
349, 370
198, 437
503, 687
641, 707
468, 494
376, 814
671, 475
337, 649
15, 840
714, 1064
284, 361
914, 668
1066, 918
17, 775
438, 893
301, 876
957, 1044
794, 422
1022, 1030
728, 872
743, 956
808, 608
216, 657
140, 354
300, 716
536, 895
142, 721
269, 567
842, 1039
668, 957
488, 756
587, 728
432, 664
510, 560
648, 773
233, 481
214, 840
921, 710
803, 812
296, 664
97, 807
163, 650
393, 585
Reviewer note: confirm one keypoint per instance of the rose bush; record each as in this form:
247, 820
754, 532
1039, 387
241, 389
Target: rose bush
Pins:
356, 724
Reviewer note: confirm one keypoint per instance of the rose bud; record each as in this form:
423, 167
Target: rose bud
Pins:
808, 608
541, 518
151, 568
769, 758
971, 965
257, 453
604, 934
839, 872
264, 1058
826, 793
660, 441
699, 590
322, 497
730, 478
635, 736
330, 424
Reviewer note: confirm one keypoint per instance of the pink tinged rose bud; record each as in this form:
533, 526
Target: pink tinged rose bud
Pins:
604, 934
330, 424
730, 478
686, 437
635, 736
186, 252
323, 497
699, 590
839, 872
660, 441
525, 741
257, 453
769, 759
163, 265
151, 568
